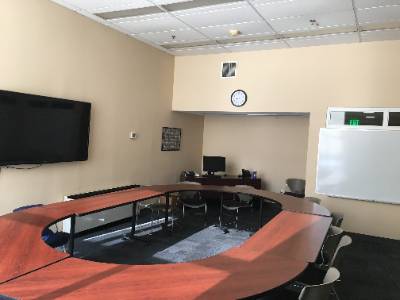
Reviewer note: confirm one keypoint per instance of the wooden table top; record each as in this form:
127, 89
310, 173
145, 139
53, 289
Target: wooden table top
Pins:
274, 255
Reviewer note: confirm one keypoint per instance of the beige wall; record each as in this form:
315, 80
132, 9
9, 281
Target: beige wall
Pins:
303, 80
245, 141
46, 49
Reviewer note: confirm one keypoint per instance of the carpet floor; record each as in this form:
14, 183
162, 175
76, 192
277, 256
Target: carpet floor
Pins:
370, 269
370, 266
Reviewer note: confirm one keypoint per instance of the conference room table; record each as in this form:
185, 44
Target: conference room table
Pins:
275, 255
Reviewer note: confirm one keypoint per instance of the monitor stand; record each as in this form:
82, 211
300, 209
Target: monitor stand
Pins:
212, 174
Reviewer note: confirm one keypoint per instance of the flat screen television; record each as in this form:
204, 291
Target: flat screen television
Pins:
213, 164
37, 129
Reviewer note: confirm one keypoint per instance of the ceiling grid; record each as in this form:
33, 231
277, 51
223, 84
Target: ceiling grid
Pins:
269, 25
353, 4
192, 27
186, 27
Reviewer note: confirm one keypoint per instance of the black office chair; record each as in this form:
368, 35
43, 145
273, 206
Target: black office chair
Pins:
53, 239
2, 297
345, 241
326, 254
337, 219
239, 201
314, 273
160, 206
296, 187
336, 216
192, 199
323, 290
330, 244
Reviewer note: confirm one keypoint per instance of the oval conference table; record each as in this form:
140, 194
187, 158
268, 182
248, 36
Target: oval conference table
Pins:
275, 255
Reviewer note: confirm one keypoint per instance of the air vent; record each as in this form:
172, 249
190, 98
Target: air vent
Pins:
135, 12
143, 11
228, 69
194, 4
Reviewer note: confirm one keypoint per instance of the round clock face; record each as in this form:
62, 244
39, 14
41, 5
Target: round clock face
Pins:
238, 98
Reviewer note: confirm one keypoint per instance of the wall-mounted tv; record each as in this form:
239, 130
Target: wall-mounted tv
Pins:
37, 129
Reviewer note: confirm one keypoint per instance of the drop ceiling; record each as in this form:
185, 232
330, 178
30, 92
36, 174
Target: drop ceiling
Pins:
182, 27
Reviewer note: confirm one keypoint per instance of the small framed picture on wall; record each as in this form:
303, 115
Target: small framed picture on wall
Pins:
171, 139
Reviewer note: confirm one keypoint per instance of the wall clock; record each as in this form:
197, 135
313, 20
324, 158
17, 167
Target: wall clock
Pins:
239, 98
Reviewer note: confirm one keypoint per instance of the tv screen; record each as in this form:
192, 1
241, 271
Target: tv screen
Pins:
213, 164
37, 129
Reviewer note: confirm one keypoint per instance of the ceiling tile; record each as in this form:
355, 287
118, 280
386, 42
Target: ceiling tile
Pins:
374, 3
251, 46
209, 23
100, 6
231, 13
380, 35
341, 38
246, 29
165, 2
166, 37
379, 14
150, 23
303, 22
285, 8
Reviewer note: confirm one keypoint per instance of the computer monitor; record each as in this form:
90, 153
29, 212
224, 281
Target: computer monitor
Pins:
213, 164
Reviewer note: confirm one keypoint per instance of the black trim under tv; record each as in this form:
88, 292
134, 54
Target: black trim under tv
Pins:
38, 129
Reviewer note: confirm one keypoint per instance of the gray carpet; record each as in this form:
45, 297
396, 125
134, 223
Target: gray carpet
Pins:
182, 245
205, 243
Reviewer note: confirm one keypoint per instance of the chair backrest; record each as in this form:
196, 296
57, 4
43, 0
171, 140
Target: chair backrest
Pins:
296, 185
331, 243
323, 290
189, 194
337, 219
26, 207
334, 231
2, 297
344, 242
313, 199
243, 197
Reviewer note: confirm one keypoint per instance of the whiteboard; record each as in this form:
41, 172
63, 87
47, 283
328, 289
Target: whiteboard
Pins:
359, 164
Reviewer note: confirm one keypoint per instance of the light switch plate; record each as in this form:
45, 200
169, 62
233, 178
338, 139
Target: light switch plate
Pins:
132, 135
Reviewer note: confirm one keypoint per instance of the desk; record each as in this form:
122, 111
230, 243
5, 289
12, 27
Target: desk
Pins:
274, 255
224, 181
228, 181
